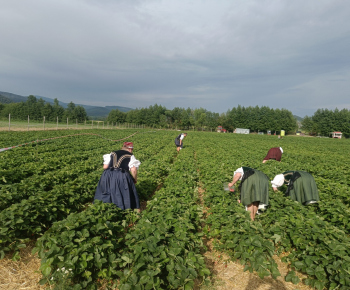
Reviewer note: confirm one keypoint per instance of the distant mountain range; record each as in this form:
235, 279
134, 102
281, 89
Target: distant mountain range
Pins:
92, 111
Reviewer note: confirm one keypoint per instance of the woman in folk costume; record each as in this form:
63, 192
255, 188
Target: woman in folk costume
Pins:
117, 183
301, 186
179, 141
274, 153
254, 188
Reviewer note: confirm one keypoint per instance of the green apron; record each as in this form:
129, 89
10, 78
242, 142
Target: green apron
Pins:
255, 188
304, 188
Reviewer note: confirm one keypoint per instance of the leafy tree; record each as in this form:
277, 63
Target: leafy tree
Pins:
163, 121
116, 116
48, 112
32, 108
17, 111
80, 114
69, 112
58, 111
307, 124
343, 122
325, 121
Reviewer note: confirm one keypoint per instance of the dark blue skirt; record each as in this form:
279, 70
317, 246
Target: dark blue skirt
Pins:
117, 186
177, 143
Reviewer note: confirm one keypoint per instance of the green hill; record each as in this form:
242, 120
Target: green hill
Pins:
5, 100
92, 111
13, 98
298, 118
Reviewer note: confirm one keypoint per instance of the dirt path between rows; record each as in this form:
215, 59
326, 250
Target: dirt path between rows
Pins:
23, 274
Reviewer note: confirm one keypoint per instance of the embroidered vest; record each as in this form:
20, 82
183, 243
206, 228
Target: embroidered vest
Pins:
120, 159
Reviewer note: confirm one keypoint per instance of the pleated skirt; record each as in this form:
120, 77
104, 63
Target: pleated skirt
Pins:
117, 186
304, 188
255, 189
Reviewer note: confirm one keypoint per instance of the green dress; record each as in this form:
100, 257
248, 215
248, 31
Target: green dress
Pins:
254, 187
301, 186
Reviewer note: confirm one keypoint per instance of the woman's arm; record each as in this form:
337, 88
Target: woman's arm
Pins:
133, 166
133, 171
235, 179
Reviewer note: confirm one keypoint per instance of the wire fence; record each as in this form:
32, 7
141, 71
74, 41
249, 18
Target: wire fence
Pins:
34, 125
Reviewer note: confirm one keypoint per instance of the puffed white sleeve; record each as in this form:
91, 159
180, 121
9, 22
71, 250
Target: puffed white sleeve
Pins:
106, 158
239, 170
278, 180
134, 162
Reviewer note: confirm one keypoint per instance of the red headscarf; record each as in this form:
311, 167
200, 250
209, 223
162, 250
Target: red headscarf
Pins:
128, 145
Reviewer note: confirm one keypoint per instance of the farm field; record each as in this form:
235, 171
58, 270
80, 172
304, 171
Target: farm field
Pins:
47, 188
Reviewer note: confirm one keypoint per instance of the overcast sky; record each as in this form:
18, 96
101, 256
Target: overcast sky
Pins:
191, 53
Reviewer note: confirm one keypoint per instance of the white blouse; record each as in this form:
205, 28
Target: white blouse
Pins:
239, 170
278, 180
133, 161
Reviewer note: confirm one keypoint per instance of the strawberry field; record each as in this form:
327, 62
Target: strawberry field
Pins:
47, 187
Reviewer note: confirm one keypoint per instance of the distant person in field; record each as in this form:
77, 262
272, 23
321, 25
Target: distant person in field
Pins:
179, 141
254, 189
274, 154
301, 186
117, 183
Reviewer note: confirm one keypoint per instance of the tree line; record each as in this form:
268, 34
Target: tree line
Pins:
325, 121
37, 109
257, 119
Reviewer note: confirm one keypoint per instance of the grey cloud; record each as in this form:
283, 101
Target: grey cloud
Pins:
190, 54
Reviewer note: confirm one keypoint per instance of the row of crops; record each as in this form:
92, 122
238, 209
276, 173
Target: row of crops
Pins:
315, 237
47, 189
